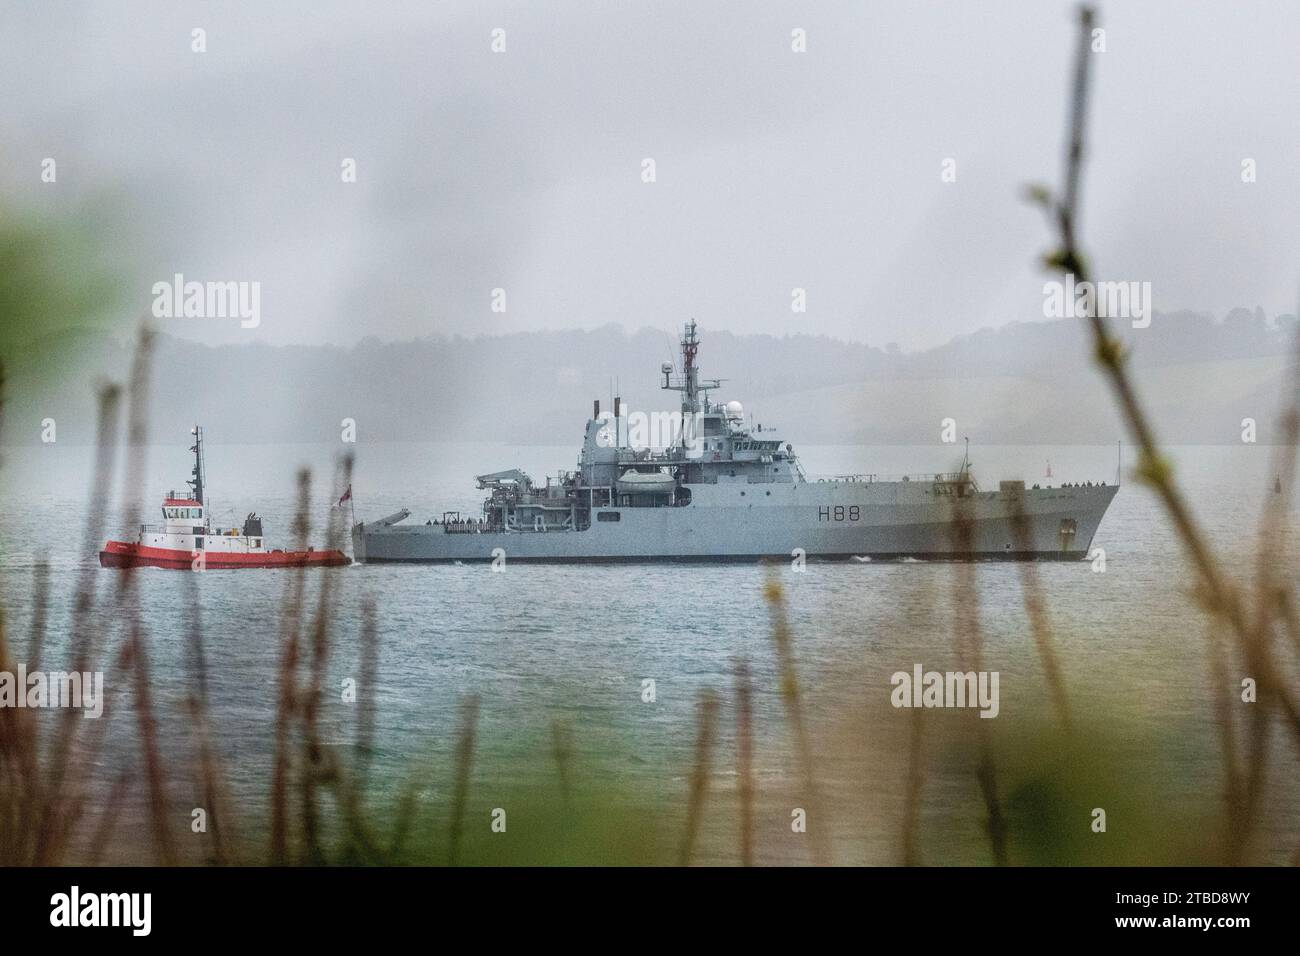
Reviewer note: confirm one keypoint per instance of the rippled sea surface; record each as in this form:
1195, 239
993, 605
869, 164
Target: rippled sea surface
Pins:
575, 644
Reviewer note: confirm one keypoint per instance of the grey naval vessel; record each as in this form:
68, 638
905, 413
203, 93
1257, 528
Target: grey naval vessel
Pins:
724, 489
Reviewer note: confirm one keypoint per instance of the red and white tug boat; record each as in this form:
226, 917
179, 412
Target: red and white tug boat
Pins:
186, 539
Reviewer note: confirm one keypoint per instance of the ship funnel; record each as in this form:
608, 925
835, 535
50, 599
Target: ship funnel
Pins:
618, 406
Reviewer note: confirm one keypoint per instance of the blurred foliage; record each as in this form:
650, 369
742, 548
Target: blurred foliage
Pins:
57, 275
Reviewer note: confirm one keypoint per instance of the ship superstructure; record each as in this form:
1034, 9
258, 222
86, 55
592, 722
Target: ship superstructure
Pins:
725, 489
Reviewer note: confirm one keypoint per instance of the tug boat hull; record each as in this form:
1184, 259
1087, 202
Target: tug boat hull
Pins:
125, 554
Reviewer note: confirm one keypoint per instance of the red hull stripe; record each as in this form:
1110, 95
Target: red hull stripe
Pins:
122, 554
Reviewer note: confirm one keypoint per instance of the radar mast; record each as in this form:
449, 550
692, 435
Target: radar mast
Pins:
689, 382
196, 483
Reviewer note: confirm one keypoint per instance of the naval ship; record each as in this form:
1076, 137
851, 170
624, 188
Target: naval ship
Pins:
724, 489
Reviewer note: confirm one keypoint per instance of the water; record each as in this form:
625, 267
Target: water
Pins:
575, 643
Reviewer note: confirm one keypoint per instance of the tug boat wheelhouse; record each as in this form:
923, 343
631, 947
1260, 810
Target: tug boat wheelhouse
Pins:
186, 540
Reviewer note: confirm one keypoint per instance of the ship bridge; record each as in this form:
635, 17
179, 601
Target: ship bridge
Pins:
712, 443
715, 443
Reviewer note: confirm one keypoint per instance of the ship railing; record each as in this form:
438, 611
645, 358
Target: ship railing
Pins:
467, 527
940, 476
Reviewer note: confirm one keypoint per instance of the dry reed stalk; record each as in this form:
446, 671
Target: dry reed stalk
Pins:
212, 787
109, 405
562, 752
40, 613
137, 437
405, 818
313, 764
1287, 613
84, 631
1270, 605
88, 750
12, 784
1153, 468
745, 759
286, 703
27, 726
160, 813
1220, 597
352, 786
108, 815
1222, 698
82, 765
1218, 594
912, 800
970, 656
359, 840
316, 769
129, 600
790, 695
1273, 529
53, 798
706, 732
1039, 623
11, 789
20, 783
986, 774
464, 764
87, 756
75, 755
364, 747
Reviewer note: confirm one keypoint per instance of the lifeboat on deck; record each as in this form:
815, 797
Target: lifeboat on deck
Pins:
646, 483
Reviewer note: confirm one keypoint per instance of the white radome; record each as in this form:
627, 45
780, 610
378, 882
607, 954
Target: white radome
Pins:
735, 411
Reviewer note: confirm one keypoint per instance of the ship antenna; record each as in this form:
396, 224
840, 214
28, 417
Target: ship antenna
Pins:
1119, 463
690, 345
196, 483
689, 383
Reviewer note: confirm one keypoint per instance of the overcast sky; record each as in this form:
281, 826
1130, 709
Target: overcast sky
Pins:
775, 169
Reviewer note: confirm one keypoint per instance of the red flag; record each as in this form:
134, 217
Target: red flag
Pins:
347, 496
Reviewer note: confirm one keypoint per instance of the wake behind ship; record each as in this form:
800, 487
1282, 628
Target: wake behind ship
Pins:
724, 490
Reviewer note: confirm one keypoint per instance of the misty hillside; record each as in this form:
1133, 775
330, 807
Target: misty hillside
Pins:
1026, 383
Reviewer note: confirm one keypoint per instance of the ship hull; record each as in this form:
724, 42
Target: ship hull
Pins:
122, 554
897, 556
750, 522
